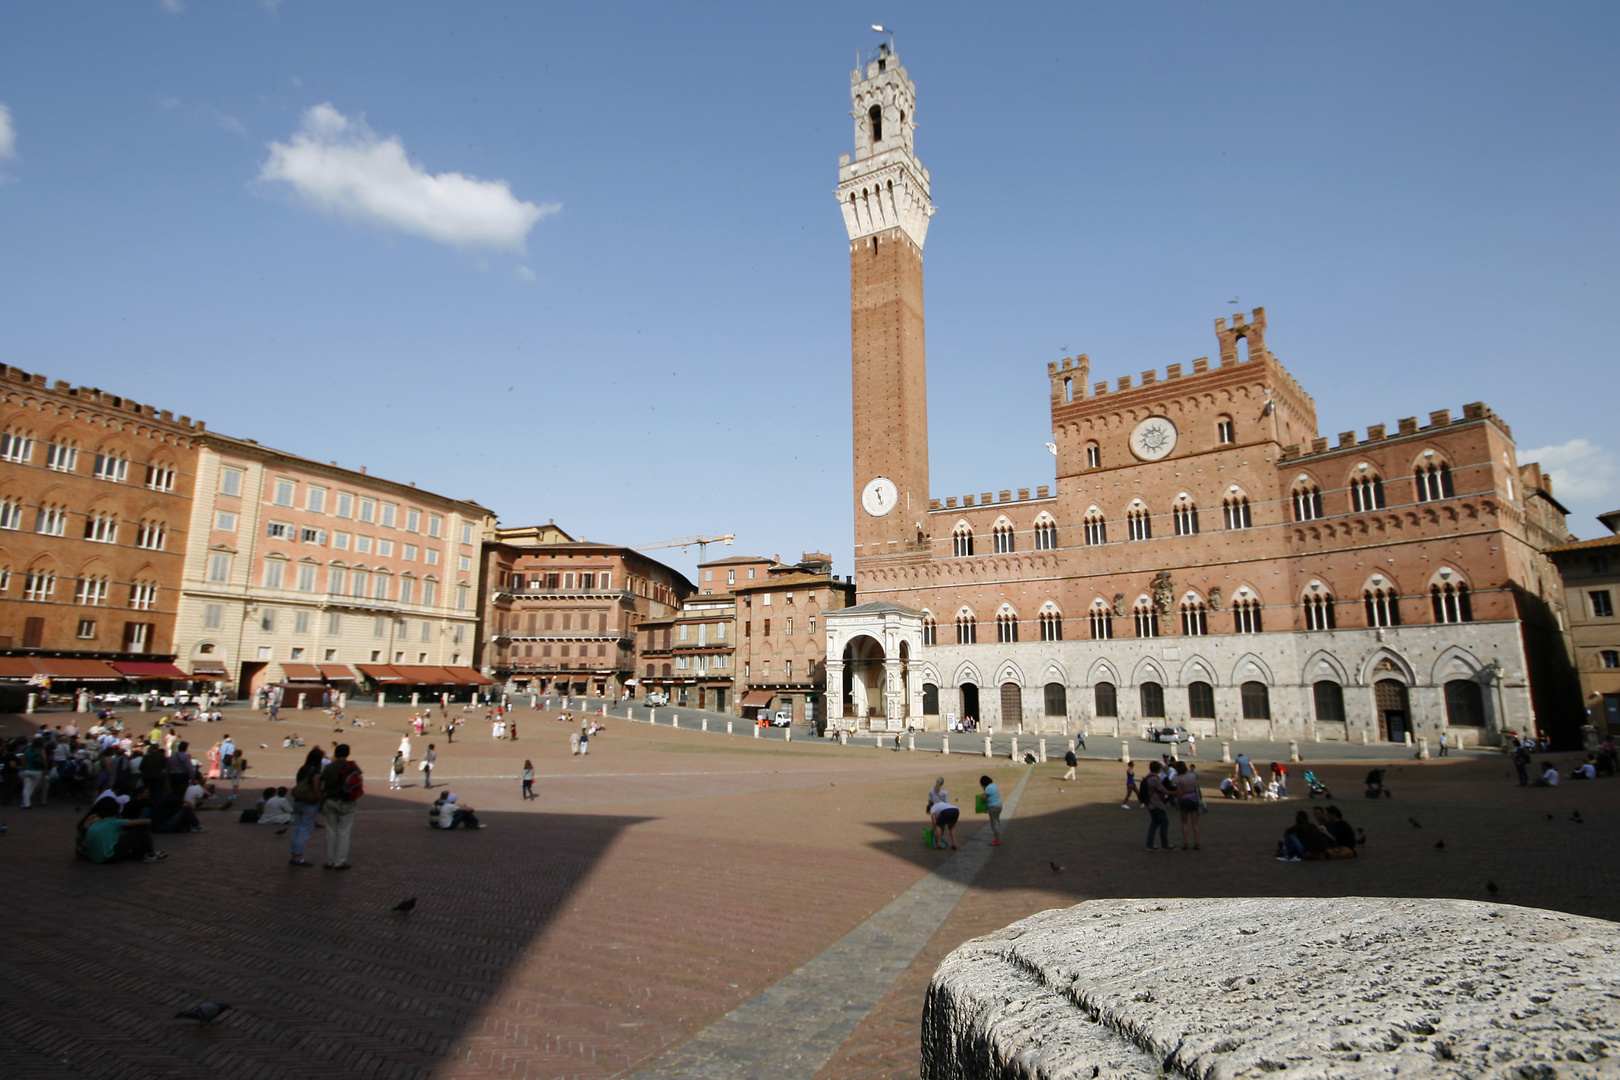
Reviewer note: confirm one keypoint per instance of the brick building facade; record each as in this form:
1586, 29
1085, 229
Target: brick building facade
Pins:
1591, 579
1203, 557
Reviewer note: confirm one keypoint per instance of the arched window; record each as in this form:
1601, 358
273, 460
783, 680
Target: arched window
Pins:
1152, 700
1093, 456
1318, 611
874, 117
967, 629
11, 513
1051, 626
1006, 628
1256, 701
962, 540
62, 456
91, 590
1433, 482
51, 520
1465, 703
1045, 534
151, 535
160, 476
930, 631
1105, 699
1235, 512
1246, 615
1057, 700
1095, 527
112, 465
1451, 604
1383, 606
1366, 492
1147, 619
1201, 701
143, 595
102, 527
1185, 513
40, 584
1102, 621
1194, 617
666, 671
930, 699
1138, 525
17, 446
1002, 537
1307, 501
1225, 432
1329, 701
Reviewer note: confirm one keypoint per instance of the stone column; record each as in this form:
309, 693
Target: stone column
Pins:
892, 694
33, 704
1040, 751
835, 690
1423, 748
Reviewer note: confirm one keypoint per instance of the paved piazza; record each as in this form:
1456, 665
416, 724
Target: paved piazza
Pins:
676, 904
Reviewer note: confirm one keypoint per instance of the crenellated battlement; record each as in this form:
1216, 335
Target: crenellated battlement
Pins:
98, 398
1438, 418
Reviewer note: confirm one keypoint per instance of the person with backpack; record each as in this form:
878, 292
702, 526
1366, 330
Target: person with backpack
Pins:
342, 785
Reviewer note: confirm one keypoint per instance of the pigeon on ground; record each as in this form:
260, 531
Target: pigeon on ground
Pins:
1414, 822
1490, 887
1056, 869
1439, 845
405, 907
206, 1013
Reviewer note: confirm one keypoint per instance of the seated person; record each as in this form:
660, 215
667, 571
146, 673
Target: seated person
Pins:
277, 809
1339, 829
1273, 790
1549, 776
1303, 840
1229, 787
110, 838
450, 813
1587, 770
171, 813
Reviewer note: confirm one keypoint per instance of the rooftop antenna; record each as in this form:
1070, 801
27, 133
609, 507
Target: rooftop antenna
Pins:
880, 28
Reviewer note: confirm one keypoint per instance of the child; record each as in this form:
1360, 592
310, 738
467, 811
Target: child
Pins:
1130, 785
528, 780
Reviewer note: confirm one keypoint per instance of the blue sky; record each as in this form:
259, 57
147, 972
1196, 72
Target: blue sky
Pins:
583, 262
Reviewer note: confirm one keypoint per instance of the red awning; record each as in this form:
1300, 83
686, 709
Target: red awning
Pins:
60, 667
17, 667
145, 669
300, 673
755, 699
426, 675
336, 672
470, 676
380, 673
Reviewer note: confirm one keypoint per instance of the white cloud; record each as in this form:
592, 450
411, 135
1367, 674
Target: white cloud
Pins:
173, 7
1580, 470
523, 273
8, 135
229, 123
340, 165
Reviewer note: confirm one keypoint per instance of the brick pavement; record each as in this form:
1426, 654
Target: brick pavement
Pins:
655, 887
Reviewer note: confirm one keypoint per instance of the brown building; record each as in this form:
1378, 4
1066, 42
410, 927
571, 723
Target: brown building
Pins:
560, 614
1591, 578
689, 656
1203, 557
95, 494
781, 659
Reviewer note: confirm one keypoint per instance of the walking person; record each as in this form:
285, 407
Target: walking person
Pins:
992, 806
512, 730
428, 759
396, 772
1192, 745
585, 741
573, 743
306, 800
1190, 801
1521, 763
1245, 769
1130, 785
405, 748
1071, 762
341, 784
1158, 815
1444, 744
528, 780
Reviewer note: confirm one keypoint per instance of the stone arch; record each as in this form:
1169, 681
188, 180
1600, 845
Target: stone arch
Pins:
1009, 671
1054, 670
930, 673
1320, 665
1148, 670
1455, 662
1197, 669
1102, 670
967, 672
1250, 668
1385, 663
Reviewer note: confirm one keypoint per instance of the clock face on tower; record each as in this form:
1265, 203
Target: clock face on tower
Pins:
879, 496
1153, 438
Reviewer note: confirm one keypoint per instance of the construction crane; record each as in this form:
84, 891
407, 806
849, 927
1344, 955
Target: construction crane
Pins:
700, 540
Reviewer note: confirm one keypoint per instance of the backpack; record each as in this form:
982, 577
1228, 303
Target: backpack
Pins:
350, 783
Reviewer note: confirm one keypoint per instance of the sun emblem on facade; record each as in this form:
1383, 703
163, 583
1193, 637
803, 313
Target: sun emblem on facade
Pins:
1153, 438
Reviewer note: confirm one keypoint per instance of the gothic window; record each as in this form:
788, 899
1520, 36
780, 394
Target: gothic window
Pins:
1006, 628
1465, 703
1152, 700
1186, 518
1147, 619
151, 534
1194, 617
874, 116
101, 527
1095, 527
39, 585
160, 477
1451, 604
11, 514
1366, 493
962, 540
1318, 611
62, 456
17, 446
1246, 616
1329, 701
930, 631
1046, 535
1102, 621
109, 466
1105, 699
1200, 701
52, 521
91, 591
1235, 512
1307, 502
1225, 433
1003, 539
1051, 626
1383, 607
1093, 456
143, 595
967, 629
1256, 701
1057, 700
1138, 526
1434, 482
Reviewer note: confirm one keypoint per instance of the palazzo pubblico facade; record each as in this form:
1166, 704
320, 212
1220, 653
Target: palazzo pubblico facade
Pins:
1204, 558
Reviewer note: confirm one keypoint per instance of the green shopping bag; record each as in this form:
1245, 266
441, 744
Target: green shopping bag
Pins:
928, 838
981, 804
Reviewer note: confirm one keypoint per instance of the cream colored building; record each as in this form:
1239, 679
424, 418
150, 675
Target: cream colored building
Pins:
313, 577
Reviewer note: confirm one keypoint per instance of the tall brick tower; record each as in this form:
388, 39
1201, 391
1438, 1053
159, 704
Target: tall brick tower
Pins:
883, 190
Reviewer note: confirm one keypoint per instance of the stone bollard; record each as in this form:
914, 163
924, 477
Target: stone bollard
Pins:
1124, 751
1462, 739
787, 734
945, 744
534, 702
379, 701
1051, 995
1014, 752
416, 699
674, 719
144, 702
1408, 738
1423, 748
987, 746
1293, 750
1316, 733
756, 729
301, 701
343, 699
1065, 726
33, 704
911, 742
704, 725
652, 717
843, 738
728, 727
1363, 738
1040, 751
1226, 752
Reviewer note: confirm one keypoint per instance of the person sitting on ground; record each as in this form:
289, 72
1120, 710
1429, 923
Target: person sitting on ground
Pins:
110, 838
447, 813
1229, 787
277, 808
1273, 791
1339, 829
1586, 770
1303, 840
1549, 776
